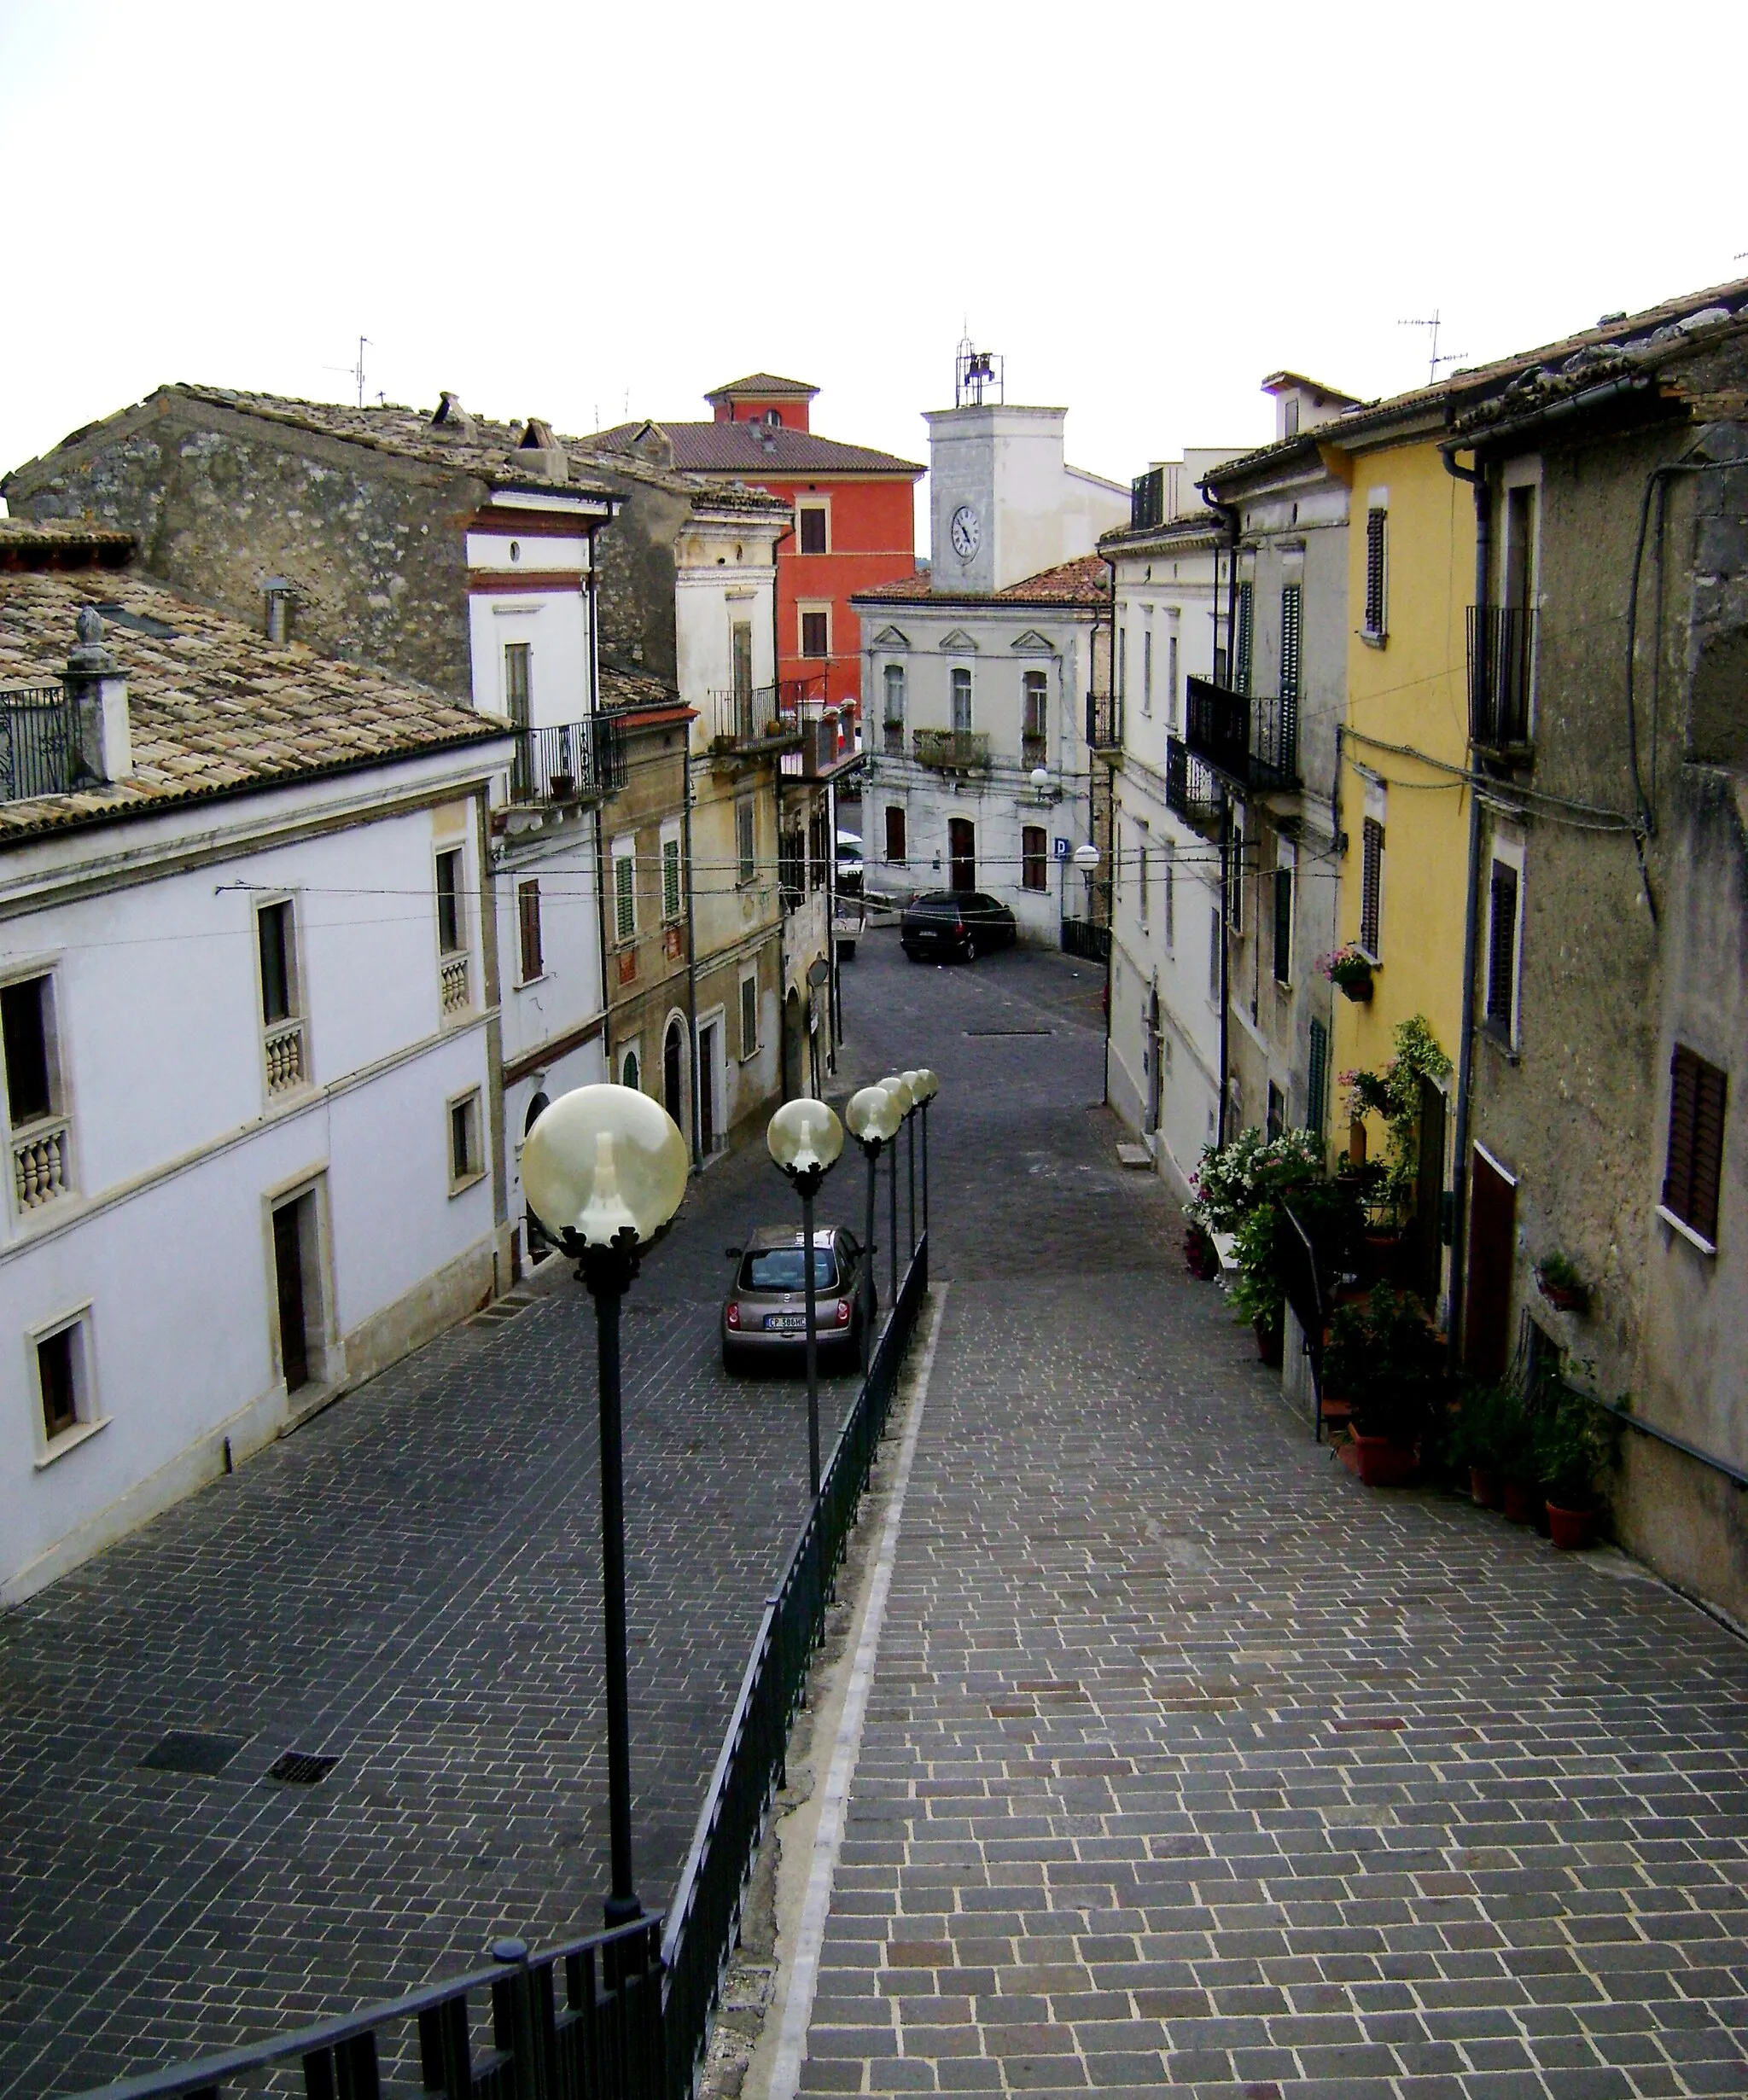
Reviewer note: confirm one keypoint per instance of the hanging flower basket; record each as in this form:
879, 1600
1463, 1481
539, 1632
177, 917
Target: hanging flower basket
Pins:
1349, 970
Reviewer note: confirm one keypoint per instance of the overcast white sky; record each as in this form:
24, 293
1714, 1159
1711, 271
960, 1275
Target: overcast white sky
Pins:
563, 210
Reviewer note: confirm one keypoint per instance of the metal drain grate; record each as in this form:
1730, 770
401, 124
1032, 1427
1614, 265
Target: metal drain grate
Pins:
189, 1750
301, 1768
500, 1310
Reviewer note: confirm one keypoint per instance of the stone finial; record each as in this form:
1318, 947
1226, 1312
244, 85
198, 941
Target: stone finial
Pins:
90, 658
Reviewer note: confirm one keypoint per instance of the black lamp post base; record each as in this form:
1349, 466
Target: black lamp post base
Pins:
622, 1911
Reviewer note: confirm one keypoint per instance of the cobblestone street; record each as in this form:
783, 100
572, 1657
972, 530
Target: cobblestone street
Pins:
1189, 1761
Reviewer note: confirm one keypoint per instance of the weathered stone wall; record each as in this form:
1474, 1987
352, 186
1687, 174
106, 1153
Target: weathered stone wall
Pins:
219, 502
637, 567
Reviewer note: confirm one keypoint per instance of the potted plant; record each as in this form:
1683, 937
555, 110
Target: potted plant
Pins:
1200, 1256
1490, 1433
1560, 1283
1258, 1294
561, 786
1570, 1444
1385, 1358
1349, 970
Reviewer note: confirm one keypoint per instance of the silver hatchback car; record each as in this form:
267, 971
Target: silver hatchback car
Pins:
765, 1314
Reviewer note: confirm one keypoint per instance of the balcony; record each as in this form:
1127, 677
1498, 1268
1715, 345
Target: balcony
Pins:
282, 1046
826, 731
37, 746
39, 1162
1104, 722
892, 738
1251, 742
951, 751
574, 762
1192, 792
453, 985
1502, 659
1035, 751
752, 723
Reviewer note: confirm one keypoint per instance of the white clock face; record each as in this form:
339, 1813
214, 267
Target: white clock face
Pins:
967, 533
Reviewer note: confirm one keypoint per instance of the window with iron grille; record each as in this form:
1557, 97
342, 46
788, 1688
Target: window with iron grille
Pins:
1290, 613
745, 842
1377, 529
749, 1015
625, 891
1241, 640
1034, 858
818, 850
527, 914
816, 639
1694, 1169
811, 519
1317, 1080
1370, 885
1283, 925
896, 853
672, 888
1502, 951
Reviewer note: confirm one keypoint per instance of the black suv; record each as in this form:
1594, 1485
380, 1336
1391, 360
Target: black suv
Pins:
955, 922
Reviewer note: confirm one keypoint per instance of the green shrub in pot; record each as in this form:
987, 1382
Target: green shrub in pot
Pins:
1386, 1361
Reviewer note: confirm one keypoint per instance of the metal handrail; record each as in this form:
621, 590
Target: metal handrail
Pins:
39, 746
1734, 1475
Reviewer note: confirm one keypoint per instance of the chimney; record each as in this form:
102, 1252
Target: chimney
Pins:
96, 694
538, 451
452, 416
281, 595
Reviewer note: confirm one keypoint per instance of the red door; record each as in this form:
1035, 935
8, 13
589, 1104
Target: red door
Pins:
1486, 1318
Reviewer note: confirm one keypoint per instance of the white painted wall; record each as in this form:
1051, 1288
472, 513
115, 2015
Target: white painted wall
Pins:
1033, 511
177, 1145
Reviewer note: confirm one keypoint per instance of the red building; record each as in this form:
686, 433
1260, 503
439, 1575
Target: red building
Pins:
855, 513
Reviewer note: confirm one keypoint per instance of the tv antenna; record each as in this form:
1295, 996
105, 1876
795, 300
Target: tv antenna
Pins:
1434, 359
355, 372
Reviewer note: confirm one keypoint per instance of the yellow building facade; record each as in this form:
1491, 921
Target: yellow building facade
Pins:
1405, 802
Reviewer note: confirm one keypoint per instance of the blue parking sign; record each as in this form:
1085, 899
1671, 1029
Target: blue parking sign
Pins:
1062, 849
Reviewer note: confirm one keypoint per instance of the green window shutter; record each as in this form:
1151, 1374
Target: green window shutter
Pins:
1317, 1080
1283, 925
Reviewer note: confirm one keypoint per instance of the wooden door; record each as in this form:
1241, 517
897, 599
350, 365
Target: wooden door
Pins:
672, 1079
1429, 1199
707, 1089
1487, 1314
288, 1279
962, 852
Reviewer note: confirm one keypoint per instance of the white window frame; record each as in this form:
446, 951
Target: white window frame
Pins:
61, 1110
673, 852
462, 954
297, 1017
748, 1050
471, 1098
625, 849
804, 607
631, 1049
88, 1413
955, 672
523, 883
746, 862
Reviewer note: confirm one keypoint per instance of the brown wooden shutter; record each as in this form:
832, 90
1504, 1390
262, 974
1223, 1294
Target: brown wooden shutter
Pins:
1693, 1171
1502, 948
527, 905
1375, 525
1371, 883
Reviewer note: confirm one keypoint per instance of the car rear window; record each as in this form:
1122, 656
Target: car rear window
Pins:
937, 908
779, 1268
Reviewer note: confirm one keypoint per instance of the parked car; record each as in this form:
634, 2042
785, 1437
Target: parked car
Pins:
849, 862
765, 1314
955, 922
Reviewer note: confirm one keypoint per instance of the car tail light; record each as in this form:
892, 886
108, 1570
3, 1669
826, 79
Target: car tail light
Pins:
734, 1313
843, 1311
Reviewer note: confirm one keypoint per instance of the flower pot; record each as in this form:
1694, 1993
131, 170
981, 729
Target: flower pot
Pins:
1358, 989
1523, 1501
1270, 1342
1564, 1297
1572, 1529
1381, 1461
1484, 1486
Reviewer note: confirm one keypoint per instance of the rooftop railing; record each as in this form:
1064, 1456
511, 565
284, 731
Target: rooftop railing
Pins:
1253, 743
38, 744
1501, 656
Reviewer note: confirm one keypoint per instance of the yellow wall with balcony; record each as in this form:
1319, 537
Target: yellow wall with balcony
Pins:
1408, 690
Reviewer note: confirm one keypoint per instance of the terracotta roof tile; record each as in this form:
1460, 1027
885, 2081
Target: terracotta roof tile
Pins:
751, 449
761, 383
213, 706
1084, 581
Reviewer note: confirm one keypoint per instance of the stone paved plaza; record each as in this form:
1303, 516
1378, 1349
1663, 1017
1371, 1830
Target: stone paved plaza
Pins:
1191, 1762
1188, 1760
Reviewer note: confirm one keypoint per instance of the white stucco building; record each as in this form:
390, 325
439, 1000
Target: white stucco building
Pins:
249, 982
976, 672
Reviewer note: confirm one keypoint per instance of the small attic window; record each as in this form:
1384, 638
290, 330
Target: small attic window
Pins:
1291, 418
773, 417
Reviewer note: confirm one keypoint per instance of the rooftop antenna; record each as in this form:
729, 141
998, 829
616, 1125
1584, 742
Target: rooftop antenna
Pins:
973, 369
356, 372
1434, 360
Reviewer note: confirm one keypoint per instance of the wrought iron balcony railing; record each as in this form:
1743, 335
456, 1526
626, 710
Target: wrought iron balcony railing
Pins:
1501, 660
38, 750
951, 751
1192, 791
1104, 722
574, 762
826, 731
1252, 742
752, 722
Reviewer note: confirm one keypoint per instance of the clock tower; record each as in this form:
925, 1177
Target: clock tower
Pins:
995, 495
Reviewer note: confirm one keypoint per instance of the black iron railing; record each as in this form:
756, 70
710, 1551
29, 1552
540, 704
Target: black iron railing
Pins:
1147, 499
568, 763
1502, 654
702, 1923
37, 746
1253, 743
752, 720
623, 2014
1192, 791
1104, 722
1084, 937
583, 2021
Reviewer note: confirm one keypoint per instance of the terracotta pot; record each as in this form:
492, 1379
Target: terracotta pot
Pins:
1572, 1529
1270, 1342
1383, 1462
1484, 1486
1522, 1502
1359, 992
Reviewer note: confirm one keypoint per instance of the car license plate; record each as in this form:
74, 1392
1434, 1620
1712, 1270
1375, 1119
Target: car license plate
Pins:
786, 1322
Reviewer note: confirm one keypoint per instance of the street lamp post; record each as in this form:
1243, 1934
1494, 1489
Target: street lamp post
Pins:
911, 1080
805, 1138
926, 1088
605, 1168
900, 1093
873, 1118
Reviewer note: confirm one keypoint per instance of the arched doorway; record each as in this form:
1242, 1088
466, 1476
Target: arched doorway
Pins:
673, 1073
